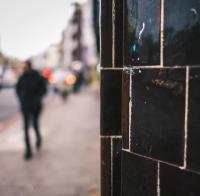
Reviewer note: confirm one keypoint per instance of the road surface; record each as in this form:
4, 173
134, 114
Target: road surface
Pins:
8, 104
68, 164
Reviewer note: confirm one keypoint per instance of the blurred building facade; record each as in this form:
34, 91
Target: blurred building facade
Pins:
78, 41
78, 37
53, 56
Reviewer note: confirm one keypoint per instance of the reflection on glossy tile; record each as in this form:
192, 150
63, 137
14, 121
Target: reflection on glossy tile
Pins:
194, 123
182, 30
142, 32
139, 176
177, 182
158, 107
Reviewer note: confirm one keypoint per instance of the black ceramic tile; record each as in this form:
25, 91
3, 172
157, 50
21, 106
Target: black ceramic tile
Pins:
111, 83
96, 14
193, 120
105, 166
139, 176
106, 33
125, 108
182, 30
116, 163
118, 33
158, 106
142, 32
177, 182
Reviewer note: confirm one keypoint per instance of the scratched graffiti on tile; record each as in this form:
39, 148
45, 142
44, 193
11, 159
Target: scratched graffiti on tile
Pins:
142, 32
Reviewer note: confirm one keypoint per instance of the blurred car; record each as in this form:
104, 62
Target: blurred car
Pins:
63, 81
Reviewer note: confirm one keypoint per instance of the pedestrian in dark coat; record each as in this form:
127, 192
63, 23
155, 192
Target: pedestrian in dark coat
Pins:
31, 88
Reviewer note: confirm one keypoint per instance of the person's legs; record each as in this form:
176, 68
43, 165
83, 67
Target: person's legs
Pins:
28, 151
36, 116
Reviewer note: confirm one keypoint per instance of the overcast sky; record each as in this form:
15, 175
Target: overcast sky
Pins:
28, 27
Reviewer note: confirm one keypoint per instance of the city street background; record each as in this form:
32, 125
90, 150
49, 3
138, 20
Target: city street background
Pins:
61, 41
8, 105
68, 164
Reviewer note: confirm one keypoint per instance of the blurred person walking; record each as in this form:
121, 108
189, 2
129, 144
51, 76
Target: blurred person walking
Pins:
31, 88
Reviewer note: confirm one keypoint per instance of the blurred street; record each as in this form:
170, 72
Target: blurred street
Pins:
68, 164
8, 104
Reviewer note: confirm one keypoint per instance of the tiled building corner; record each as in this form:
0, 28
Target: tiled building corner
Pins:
150, 98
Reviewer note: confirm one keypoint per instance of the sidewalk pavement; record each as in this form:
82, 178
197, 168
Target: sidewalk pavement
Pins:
68, 164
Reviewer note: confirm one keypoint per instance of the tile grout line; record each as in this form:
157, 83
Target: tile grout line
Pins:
186, 117
161, 161
100, 38
113, 33
158, 179
162, 34
111, 68
130, 109
111, 169
147, 67
111, 136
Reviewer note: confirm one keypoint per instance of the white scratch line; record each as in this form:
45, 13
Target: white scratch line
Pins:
142, 30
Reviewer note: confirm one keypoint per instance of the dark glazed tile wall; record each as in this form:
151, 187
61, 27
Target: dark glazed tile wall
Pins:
111, 176
194, 123
177, 182
161, 155
106, 33
111, 88
182, 30
118, 33
139, 176
125, 108
142, 32
116, 169
106, 166
158, 106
